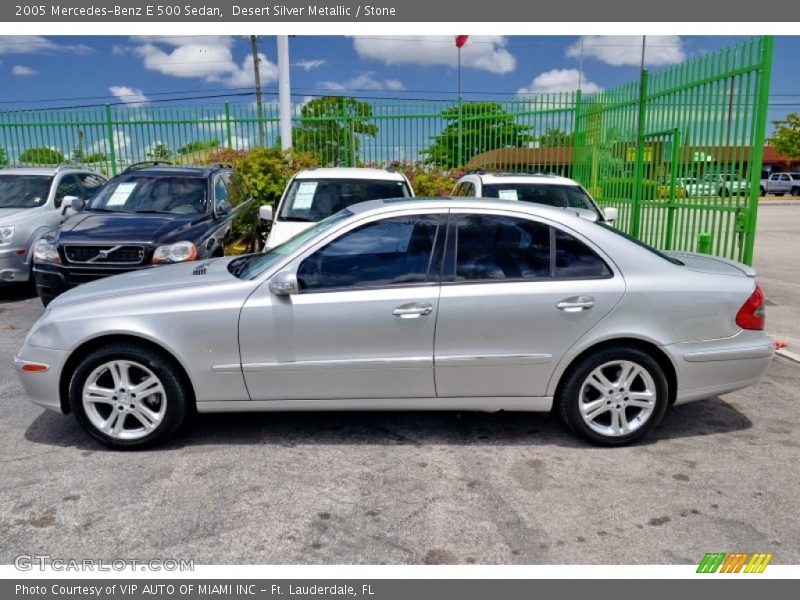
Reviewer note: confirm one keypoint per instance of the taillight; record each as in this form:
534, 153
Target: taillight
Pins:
751, 315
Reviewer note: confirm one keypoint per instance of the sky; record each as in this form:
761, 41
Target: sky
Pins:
38, 71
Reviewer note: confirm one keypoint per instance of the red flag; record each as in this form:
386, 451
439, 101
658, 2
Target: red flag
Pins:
461, 40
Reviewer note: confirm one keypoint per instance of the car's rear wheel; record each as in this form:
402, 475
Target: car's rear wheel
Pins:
795, 191
614, 397
763, 191
128, 396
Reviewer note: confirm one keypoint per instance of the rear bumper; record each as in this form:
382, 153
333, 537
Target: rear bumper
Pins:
715, 367
42, 387
13, 265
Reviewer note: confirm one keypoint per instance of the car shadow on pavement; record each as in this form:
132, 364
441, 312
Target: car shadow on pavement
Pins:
417, 428
16, 293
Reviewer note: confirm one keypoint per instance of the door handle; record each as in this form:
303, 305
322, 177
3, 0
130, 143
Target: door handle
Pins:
412, 310
576, 304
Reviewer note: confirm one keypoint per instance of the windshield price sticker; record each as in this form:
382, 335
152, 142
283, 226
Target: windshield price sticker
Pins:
305, 194
121, 194
508, 195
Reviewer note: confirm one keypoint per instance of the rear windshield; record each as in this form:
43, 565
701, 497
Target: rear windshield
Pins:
24, 191
561, 196
149, 194
312, 200
639, 243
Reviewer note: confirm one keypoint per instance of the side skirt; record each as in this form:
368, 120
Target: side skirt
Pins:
521, 404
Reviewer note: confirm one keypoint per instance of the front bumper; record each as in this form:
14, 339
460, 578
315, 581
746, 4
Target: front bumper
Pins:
53, 279
14, 267
715, 367
42, 387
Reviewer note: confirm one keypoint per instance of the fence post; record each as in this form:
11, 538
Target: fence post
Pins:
112, 155
756, 157
229, 143
639, 168
347, 135
577, 141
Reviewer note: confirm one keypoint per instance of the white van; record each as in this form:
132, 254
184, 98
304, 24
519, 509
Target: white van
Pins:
317, 193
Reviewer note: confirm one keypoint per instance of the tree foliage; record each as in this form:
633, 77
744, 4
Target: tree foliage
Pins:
159, 151
199, 146
484, 126
786, 138
331, 127
41, 156
3, 157
556, 138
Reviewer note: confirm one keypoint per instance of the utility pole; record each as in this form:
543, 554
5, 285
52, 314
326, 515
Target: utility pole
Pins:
259, 102
284, 93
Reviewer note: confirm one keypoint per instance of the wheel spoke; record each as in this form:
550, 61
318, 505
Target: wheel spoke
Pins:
591, 410
615, 424
96, 394
627, 375
147, 388
119, 424
623, 421
143, 418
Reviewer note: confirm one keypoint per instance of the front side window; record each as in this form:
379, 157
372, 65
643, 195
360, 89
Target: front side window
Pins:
149, 194
310, 200
395, 251
498, 248
561, 196
68, 186
24, 191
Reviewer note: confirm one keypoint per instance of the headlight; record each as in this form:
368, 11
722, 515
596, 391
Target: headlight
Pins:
6, 234
178, 252
44, 251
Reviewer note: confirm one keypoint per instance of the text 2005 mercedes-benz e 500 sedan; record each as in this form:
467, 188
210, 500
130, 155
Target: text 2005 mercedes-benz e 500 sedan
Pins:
407, 304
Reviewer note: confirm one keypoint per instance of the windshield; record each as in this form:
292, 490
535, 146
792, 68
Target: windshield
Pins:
153, 194
24, 191
639, 243
247, 267
561, 196
310, 200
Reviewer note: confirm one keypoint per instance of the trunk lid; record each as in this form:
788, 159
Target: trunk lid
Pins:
717, 265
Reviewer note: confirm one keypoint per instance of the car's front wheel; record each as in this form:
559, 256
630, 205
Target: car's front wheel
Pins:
128, 396
614, 397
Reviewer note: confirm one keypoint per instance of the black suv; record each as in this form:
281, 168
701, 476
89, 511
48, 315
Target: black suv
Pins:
148, 215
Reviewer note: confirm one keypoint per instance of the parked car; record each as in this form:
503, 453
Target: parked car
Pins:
33, 202
780, 184
317, 193
433, 304
148, 215
539, 188
716, 184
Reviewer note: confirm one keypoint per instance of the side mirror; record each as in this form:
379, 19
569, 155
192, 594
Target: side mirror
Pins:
284, 284
224, 208
71, 202
611, 213
265, 213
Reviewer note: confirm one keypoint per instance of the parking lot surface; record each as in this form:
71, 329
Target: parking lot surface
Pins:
717, 475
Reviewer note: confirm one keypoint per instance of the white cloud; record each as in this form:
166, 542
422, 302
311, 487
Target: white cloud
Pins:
559, 80
128, 95
122, 145
363, 82
23, 71
37, 44
621, 50
308, 65
485, 52
203, 57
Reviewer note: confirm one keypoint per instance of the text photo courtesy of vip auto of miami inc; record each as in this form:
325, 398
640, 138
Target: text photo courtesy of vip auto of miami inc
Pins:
482, 301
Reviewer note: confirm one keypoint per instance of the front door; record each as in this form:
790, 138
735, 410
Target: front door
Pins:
516, 295
362, 324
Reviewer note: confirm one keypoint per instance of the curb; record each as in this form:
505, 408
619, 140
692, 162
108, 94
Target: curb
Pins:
779, 203
788, 355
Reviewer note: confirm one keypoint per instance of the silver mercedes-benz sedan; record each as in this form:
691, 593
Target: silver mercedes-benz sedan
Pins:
433, 304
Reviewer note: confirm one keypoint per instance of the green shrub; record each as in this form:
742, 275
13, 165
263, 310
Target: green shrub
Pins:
41, 156
428, 180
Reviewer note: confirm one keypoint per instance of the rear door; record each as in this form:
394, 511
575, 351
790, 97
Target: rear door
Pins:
516, 295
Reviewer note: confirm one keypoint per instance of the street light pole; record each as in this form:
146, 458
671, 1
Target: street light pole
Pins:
284, 93
259, 102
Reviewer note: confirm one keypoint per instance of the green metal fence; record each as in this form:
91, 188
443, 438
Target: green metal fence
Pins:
678, 152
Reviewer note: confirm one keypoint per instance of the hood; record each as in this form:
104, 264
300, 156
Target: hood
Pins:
283, 230
716, 265
162, 278
9, 216
115, 227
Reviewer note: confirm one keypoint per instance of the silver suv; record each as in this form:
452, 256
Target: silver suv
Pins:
34, 201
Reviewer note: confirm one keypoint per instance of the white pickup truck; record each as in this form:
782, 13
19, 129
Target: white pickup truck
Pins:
780, 184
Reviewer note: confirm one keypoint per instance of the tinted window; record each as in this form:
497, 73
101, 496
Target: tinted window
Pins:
91, 183
561, 196
148, 194
389, 252
24, 191
459, 190
237, 189
795, 176
576, 259
496, 248
317, 199
68, 186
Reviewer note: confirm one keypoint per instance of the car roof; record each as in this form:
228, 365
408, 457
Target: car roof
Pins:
460, 202
42, 170
350, 173
173, 170
542, 178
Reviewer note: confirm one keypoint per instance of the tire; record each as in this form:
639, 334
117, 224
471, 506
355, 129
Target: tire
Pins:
597, 427
46, 299
762, 191
779, 193
164, 404
795, 191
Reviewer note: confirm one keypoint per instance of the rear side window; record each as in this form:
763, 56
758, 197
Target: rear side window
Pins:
394, 251
91, 183
497, 248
